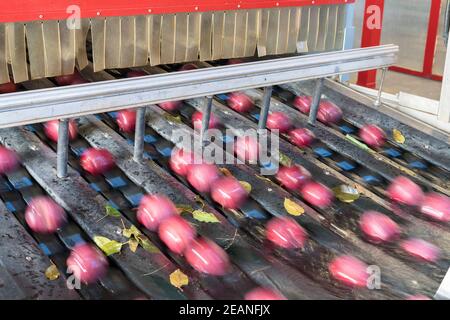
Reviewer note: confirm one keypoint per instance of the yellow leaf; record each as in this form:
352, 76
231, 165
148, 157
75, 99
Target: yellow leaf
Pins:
178, 279
203, 216
247, 186
293, 208
52, 273
173, 119
226, 172
133, 244
263, 178
398, 136
132, 231
346, 193
109, 247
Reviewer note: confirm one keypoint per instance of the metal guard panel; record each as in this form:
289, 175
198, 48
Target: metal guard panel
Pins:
38, 10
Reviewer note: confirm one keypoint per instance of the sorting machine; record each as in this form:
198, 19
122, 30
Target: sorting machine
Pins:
289, 48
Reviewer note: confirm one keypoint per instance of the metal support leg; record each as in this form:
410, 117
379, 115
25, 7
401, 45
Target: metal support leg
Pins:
139, 135
316, 102
377, 102
265, 108
63, 148
206, 116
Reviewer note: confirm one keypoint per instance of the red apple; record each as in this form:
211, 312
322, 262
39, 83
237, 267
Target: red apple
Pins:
286, 233
136, 73
247, 149
9, 160
421, 249
329, 112
235, 61
78, 81
51, 130
373, 136
170, 105
43, 215
188, 66
317, 194
66, 80
126, 119
378, 227
240, 102
436, 206
228, 192
303, 103
293, 177
263, 294
349, 271
418, 297
302, 137
202, 176
97, 161
180, 160
197, 121
87, 263
8, 87
405, 191
176, 233
154, 209
280, 121
207, 257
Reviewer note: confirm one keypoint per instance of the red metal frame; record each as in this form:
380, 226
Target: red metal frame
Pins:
31, 10
370, 38
373, 37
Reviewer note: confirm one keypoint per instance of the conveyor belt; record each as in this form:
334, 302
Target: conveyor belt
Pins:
333, 161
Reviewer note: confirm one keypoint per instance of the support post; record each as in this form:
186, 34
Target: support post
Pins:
349, 34
444, 103
139, 135
265, 108
206, 116
62, 148
316, 102
371, 36
377, 102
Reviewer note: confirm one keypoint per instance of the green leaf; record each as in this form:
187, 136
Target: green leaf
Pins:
358, 143
147, 245
111, 211
285, 160
203, 216
184, 208
109, 247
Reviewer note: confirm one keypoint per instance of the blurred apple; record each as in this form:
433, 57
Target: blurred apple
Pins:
154, 209
43, 215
